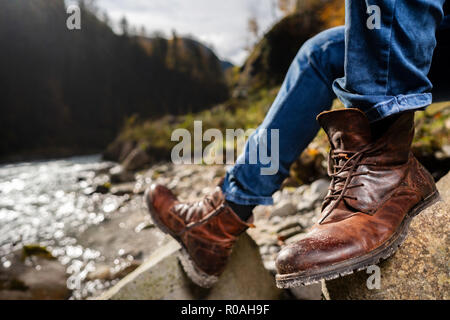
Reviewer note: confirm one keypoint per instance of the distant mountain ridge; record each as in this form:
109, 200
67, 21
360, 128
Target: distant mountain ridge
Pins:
71, 91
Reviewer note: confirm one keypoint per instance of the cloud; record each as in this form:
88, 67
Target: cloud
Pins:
222, 24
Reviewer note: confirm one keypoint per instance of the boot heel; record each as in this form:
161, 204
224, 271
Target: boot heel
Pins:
197, 276
433, 198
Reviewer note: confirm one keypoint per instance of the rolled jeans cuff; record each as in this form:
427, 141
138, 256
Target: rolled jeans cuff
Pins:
398, 104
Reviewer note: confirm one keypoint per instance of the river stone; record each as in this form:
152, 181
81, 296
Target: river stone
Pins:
319, 188
162, 277
284, 208
420, 269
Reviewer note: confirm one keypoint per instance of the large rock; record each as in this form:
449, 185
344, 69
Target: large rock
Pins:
270, 59
162, 277
419, 270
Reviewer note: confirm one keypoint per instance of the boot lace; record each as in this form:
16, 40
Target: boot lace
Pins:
342, 167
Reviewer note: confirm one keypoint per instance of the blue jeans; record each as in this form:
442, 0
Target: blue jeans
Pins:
381, 71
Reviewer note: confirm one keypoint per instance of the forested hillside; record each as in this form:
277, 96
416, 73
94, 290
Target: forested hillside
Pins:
64, 92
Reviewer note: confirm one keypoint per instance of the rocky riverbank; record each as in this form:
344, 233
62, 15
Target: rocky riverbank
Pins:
118, 235
93, 227
128, 237
294, 211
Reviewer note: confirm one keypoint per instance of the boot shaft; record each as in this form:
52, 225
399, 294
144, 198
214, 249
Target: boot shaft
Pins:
350, 130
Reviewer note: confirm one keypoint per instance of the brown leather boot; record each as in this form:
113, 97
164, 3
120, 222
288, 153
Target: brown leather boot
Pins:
377, 187
206, 230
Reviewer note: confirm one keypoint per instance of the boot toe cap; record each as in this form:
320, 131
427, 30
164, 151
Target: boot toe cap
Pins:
313, 252
156, 193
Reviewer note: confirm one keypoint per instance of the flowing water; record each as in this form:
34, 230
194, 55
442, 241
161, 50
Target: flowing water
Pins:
49, 203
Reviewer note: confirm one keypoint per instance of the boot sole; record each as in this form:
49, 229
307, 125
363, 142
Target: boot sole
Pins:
349, 266
197, 276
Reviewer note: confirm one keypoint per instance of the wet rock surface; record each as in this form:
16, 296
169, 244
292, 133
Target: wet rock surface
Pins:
419, 269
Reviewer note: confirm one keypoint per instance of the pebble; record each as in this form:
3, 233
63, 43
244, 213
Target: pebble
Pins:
284, 208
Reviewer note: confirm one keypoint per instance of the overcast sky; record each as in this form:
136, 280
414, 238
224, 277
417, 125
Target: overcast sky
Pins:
220, 23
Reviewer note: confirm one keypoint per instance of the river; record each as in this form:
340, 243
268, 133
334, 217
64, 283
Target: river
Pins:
49, 203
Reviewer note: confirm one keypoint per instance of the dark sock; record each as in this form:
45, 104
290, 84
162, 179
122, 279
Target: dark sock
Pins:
380, 127
243, 211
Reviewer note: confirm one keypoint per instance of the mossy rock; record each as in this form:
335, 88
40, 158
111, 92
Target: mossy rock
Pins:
30, 250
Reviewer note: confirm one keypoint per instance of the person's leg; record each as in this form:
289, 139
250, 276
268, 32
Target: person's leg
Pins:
377, 184
208, 229
306, 91
386, 68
